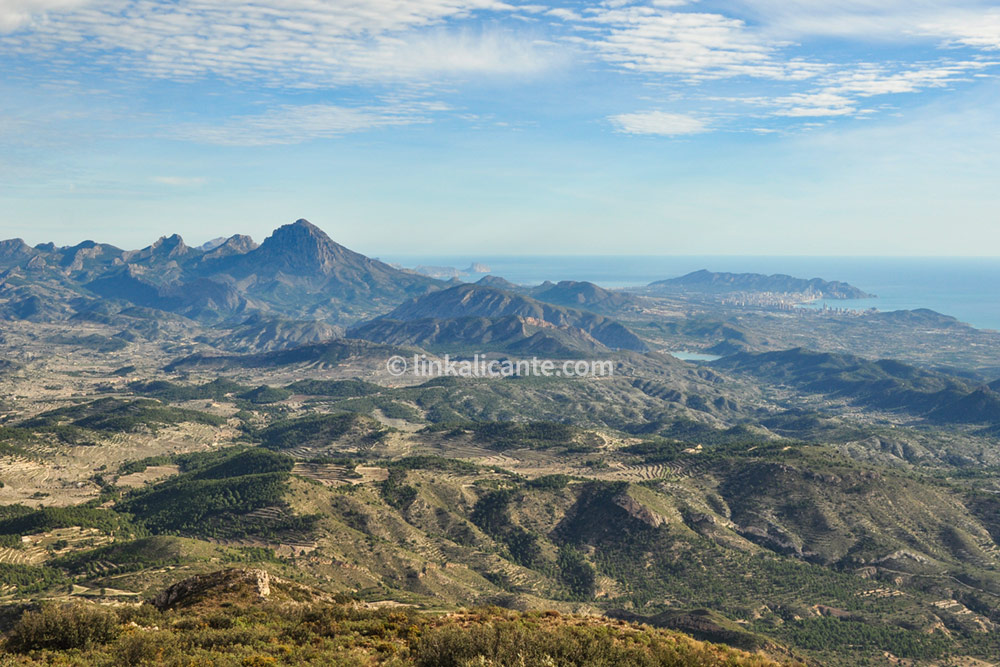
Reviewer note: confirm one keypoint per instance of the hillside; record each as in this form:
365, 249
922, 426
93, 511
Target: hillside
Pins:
264, 334
755, 546
584, 295
511, 333
505, 320
247, 616
883, 384
651, 495
316, 355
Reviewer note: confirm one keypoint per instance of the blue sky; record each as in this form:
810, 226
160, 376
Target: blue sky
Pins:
481, 126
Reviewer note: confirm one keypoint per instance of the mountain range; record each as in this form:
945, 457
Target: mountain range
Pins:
298, 272
300, 287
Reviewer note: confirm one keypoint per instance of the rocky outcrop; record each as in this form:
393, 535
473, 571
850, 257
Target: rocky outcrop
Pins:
241, 583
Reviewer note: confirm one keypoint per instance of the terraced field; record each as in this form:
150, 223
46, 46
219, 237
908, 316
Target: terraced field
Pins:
36, 549
149, 475
330, 474
63, 474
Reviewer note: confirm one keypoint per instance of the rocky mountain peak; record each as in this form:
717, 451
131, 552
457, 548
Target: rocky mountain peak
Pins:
303, 248
238, 244
300, 231
16, 249
172, 245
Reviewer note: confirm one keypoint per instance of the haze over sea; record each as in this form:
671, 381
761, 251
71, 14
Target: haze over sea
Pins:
964, 287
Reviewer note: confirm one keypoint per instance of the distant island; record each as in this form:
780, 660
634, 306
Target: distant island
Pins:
477, 267
709, 282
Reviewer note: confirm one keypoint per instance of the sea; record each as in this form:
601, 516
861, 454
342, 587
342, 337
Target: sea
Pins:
967, 288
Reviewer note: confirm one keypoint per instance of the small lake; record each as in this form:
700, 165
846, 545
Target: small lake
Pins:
694, 356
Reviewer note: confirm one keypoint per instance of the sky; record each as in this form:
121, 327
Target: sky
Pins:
761, 127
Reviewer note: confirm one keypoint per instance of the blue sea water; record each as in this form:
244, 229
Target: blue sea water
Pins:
966, 288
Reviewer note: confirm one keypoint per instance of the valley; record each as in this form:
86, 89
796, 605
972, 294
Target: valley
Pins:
819, 495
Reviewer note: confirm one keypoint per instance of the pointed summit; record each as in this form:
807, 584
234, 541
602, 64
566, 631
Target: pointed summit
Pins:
302, 248
302, 229
165, 248
170, 246
302, 222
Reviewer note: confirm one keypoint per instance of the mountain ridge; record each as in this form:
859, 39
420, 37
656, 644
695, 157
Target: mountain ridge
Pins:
298, 272
710, 282
478, 301
882, 384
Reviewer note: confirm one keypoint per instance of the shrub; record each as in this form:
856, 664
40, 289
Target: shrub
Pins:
514, 642
62, 627
144, 647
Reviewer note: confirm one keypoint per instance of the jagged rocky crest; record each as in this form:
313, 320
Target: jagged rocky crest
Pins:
299, 287
298, 272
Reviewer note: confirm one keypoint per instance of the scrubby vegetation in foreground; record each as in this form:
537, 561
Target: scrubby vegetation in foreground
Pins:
332, 633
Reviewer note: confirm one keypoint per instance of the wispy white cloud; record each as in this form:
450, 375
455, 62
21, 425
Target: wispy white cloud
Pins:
842, 93
970, 28
760, 46
670, 42
289, 124
564, 14
871, 79
280, 42
442, 51
812, 105
658, 39
659, 123
880, 20
16, 13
